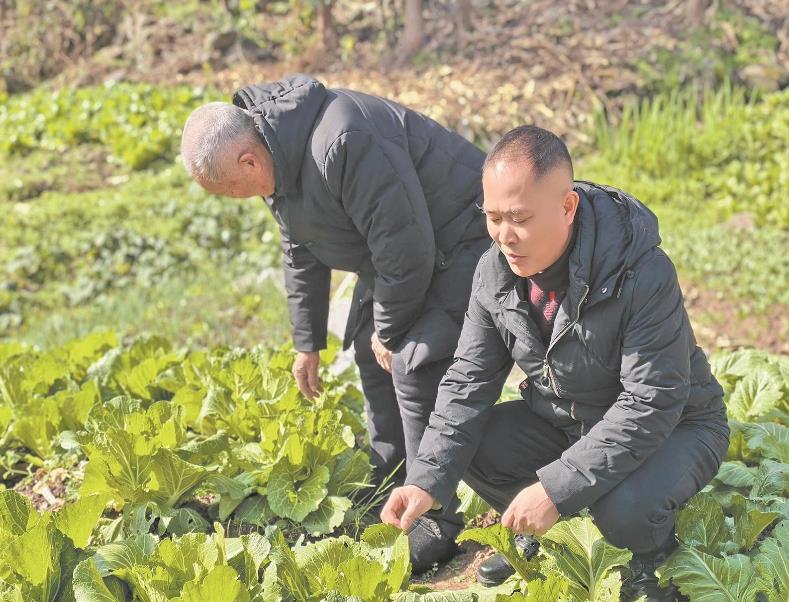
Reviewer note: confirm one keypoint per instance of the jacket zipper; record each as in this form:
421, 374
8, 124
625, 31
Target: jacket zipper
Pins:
546, 368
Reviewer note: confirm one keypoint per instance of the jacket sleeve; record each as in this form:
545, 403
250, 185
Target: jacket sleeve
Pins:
377, 184
472, 385
307, 284
655, 377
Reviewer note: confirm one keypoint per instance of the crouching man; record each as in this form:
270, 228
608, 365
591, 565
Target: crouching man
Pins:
619, 411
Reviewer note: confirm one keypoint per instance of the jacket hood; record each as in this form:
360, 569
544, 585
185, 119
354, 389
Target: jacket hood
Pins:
614, 230
284, 113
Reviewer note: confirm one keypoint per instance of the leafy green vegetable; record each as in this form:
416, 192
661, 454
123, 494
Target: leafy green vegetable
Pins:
585, 559
501, 539
708, 578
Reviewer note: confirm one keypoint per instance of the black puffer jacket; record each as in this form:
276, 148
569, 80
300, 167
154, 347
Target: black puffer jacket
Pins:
620, 372
368, 186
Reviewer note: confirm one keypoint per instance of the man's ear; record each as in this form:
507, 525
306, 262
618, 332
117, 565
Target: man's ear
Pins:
248, 159
570, 205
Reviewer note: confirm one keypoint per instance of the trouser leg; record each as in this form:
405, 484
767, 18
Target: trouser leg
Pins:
640, 512
416, 396
516, 442
384, 425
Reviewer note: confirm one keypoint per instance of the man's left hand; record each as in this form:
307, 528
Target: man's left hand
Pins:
382, 355
531, 512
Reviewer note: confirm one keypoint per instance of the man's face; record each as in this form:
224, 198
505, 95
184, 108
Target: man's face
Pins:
251, 174
530, 221
233, 186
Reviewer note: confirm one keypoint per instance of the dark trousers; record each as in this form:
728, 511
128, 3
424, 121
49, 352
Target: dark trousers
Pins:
398, 408
640, 512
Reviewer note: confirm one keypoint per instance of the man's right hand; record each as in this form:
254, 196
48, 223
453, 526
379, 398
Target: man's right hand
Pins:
305, 370
405, 505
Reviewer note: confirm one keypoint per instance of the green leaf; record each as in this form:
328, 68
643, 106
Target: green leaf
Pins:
351, 473
17, 514
182, 521
757, 395
769, 439
115, 557
293, 492
389, 545
255, 511
609, 588
749, 522
702, 524
706, 578
90, 587
173, 479
232, 491
583, 556
221, 583
320, 561
501, 539
77, 519
736, 474
772, 561
737, 363
255, 550
329, 515
363, 578
553, 587
471, 505
114, 467
285, 573
35, 554
772, 478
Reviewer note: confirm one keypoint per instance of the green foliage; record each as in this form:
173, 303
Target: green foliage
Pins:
706, 55
733, 534
152, 230
701, 151
38, 551
137, 123
156, 426
575, 562
714, 167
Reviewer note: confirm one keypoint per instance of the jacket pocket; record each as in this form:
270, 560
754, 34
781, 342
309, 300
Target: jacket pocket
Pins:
434, 336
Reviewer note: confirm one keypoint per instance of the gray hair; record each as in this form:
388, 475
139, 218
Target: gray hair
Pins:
210, 132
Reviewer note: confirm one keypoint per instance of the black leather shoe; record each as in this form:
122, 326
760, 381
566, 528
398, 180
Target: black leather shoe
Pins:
642, 580
429, 545
496, 569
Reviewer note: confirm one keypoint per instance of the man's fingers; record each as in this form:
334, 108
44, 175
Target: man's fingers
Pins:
301, 381
409, 516
314, 381
506, 518
391, 510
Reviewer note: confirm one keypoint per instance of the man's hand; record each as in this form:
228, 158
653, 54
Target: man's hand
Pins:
305, 370
531, 512
382, 355
405, 505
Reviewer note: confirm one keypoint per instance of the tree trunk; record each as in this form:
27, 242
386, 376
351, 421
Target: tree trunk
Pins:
413, 29
463, 14
328, 35
694, 11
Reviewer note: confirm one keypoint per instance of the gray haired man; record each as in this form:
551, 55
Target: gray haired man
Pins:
361, 184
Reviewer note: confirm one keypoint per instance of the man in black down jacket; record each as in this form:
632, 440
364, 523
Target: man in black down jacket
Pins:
619, 411
360, 184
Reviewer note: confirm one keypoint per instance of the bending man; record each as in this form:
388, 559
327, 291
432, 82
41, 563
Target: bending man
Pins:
360, 184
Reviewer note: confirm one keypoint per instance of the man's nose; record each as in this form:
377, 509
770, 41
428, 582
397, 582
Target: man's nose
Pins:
507, 233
